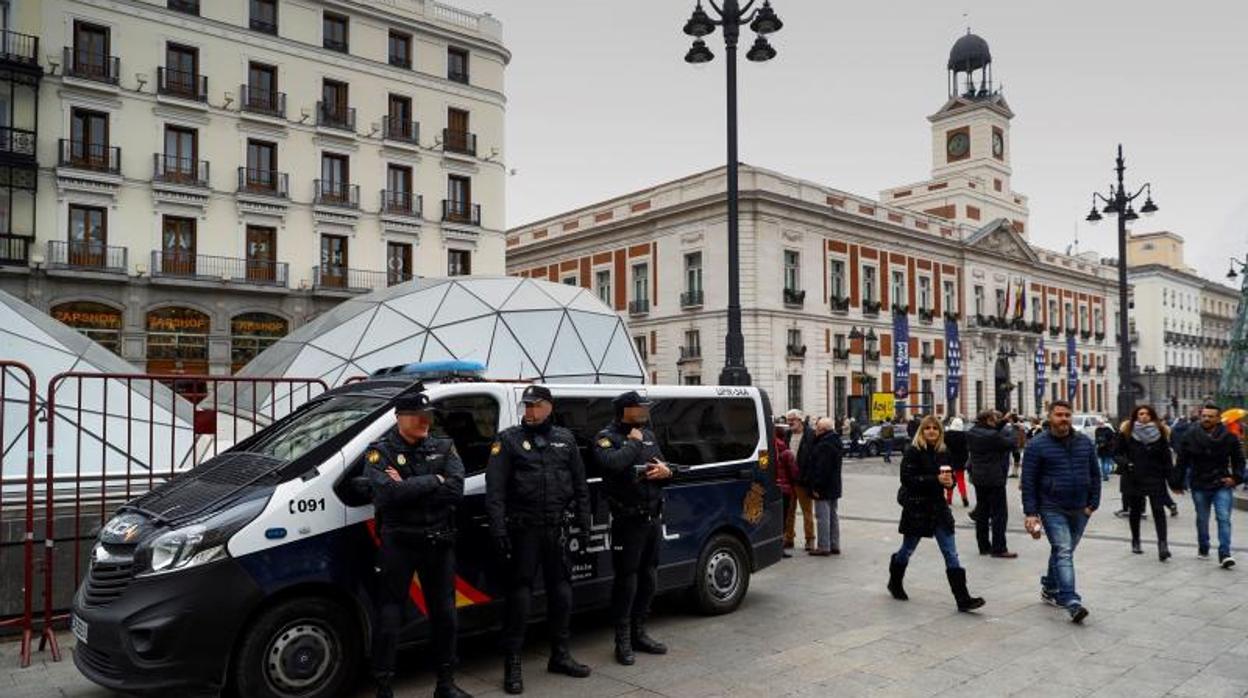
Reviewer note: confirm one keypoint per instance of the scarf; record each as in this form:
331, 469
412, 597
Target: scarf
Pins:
1145, 433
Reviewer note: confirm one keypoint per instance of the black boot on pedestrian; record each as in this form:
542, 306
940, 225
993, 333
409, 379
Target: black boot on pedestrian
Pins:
383, 686
1135, 547
624, 645
1163, 550
513, 678
897, 573
446, 684
561, 662
642, 642
957, 584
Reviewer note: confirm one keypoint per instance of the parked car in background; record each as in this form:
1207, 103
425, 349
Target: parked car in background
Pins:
1086, 424
872, 443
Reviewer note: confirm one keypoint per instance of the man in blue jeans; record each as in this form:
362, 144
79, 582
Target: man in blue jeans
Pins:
1210, 461
1061, 489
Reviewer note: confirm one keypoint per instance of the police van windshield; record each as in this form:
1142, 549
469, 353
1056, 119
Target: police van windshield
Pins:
310, 427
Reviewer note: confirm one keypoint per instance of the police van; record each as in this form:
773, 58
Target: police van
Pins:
253, 572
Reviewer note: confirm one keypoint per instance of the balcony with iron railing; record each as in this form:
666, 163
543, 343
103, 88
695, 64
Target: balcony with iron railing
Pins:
264, 26
89, 156
263, 102
335, 278
460, 76
639, 307
334, 193
461, 212
171, 169
19, 49
461, 142
691, 299
840, 353
873, 355
91, 256
394, 278
15, 249
690, 353
189, 265
927, 359
401, 203
337, 117
840, 304
263, 182
871, 308
793, 297
795, 351
401, 130
18, 143
92, 66
171, 82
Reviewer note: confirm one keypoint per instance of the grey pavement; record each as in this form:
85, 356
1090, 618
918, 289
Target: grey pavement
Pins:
827, 627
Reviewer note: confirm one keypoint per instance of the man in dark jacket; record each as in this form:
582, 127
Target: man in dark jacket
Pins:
912, 426
534, 487
825, 486
800, 436
990, 442
634, 473
416, 480
1061, 489
1211, 461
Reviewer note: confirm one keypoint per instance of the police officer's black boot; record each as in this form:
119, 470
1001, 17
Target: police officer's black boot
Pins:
513, 680
624, 645
561, 662
446, 684
957, 584
642, 642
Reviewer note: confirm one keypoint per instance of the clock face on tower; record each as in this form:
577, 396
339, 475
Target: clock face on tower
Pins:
958, 145
998, 144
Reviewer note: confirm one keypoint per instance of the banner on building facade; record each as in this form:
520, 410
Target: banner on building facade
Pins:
953, 364
901, 356
1041, 365
883, 407
1072, 369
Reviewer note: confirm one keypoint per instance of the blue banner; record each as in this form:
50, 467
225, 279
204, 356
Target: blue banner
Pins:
1072, 369
953, 364
1041, 362
901, 356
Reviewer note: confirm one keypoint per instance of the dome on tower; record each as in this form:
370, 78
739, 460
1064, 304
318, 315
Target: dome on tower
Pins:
969, 53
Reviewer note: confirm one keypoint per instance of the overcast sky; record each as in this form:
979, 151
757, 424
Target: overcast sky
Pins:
600, 103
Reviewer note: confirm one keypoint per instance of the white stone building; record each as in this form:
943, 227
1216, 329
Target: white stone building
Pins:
818, 263
209, 175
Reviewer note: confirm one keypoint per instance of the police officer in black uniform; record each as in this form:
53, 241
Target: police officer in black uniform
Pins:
416, 480
535, 487
634, 473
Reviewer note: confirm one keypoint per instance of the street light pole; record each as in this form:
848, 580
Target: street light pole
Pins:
1118, 202
732, 15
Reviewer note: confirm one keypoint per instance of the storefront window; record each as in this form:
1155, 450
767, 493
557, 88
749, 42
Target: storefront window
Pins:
177, 341
252, 333
100, 322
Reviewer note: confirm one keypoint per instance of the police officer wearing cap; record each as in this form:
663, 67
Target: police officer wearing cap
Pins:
416, 481
535, 486
634, 473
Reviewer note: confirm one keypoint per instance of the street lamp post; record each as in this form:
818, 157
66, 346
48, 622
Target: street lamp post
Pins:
1119, 203
732, 16
1009, 355
868, 340
1150, 371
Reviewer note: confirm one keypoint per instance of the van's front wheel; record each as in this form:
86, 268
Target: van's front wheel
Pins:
723, 575
301, 648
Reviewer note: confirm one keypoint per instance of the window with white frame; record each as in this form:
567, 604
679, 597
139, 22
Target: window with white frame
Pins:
868, 284
898, 287
641, 283
950, 302
836, 280
693, 273
602, 285
978, 293
792, 270
643, 347
925, 293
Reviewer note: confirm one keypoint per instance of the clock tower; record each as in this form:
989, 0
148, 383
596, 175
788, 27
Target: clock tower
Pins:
971, 170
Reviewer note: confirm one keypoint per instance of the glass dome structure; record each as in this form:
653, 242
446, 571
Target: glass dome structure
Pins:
520, 329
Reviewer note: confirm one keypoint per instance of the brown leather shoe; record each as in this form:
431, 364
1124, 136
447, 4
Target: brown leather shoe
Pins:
1005, 555
820, 553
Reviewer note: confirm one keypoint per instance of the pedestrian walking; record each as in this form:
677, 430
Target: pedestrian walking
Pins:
786, 475
955, 440
534, 487
1017, 454
1211, 459
634, 474
990, 441
800, 436
825, 486
1106, 444
855, 438
925, 475
886, 436
912, 427
416, 481
1061, 489
1145, 467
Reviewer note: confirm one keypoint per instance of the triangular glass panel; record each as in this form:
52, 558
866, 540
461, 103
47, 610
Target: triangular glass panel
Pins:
595, 331
568, 356
529, 297
388, 326
563, 294
588, 302
343, 339
421, 305
459, 305
493, 292
435, 351
535, 330
404, 351
468, 340
621, 357
507, 360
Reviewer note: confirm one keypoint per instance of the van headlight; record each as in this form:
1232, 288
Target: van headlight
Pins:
198, 543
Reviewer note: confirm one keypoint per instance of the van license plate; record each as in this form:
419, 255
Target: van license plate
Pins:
79, 626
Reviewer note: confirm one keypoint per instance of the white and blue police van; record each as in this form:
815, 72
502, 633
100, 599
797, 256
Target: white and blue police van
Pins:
253, 573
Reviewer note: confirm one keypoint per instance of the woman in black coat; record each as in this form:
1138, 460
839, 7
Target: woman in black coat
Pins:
925, 513
1145, 464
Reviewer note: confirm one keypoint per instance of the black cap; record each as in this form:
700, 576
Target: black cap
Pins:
630, 399
414, 401
536, 393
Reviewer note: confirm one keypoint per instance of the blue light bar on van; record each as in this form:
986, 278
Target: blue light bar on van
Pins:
431, 371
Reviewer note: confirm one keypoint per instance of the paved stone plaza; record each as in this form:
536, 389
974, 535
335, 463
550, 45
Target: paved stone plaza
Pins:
827, 627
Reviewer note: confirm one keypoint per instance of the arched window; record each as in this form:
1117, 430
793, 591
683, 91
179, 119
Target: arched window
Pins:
252, 333
100, 322
177, 341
